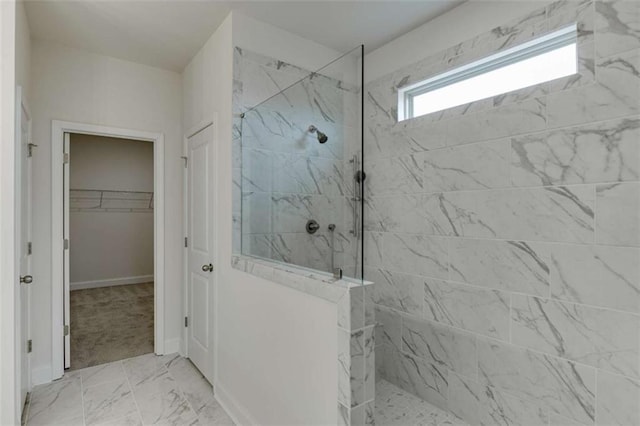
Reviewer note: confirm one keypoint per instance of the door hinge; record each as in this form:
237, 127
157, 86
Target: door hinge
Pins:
186, 241
65, 159
29, 346
30, 147
186, 161
66, 244
66, 330
186, 321
29, 247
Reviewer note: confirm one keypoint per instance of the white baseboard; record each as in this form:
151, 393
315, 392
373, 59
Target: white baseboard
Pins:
237, 412
172, 346
80, 285
41, 375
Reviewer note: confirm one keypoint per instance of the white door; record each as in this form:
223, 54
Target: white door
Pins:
23, 218
67, 295
200, 275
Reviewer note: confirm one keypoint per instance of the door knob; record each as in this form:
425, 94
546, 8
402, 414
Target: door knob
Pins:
27, 279
207, 268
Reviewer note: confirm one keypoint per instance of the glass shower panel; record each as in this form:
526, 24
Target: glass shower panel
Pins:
301, 162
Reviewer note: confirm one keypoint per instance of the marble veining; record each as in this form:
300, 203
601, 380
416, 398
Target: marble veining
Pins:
618, 214
388, 329
602, 338
617, 26
578, 274
544, 214
471, 308
398, 213
148, 389
397, 290
536, 194
485, 405
505, 265
613, 95
439, 345
602, 152
617, 400
108, 401
397, 175
55, 402
476, 166
415, 254
415, 375
565, 388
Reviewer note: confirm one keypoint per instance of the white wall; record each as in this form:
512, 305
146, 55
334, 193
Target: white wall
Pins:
275, 359
23, 51
110, 247
459, 24
274, 42
9, 405
14, 70
72, 85
110, 163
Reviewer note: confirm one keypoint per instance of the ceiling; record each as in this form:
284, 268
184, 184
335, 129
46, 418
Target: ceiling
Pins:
167, 34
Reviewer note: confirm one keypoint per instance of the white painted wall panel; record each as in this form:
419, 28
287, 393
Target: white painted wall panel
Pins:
73, 85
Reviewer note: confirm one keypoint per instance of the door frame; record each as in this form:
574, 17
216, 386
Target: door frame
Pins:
22, 105
58, 129
185, 205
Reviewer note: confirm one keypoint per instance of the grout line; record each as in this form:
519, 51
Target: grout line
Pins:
546, 129
595, 218
133, 395
477, 359
519, 189
499, 290
84, 414
510, 318
527, 240
595, 398
390, 194
183, 394
480, 337
182, 391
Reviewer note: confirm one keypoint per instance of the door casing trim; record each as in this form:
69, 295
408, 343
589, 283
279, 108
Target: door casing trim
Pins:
58, 129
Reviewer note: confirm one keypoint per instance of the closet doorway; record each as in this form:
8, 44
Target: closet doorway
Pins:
110, 267
111, 249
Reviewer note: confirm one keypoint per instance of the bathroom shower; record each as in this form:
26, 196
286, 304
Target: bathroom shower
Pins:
322, 138
301, 204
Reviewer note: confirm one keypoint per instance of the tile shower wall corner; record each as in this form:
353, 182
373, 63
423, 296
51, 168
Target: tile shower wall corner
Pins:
356, 357
504, 235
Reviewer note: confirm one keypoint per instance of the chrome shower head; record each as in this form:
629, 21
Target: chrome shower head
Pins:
322, 138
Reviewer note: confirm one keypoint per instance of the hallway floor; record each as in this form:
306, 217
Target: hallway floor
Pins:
396, 407
148, 389
110, 324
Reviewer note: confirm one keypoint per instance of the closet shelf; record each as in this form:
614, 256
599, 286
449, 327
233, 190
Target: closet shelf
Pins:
105, 200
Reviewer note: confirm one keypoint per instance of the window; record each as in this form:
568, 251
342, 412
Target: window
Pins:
537, 61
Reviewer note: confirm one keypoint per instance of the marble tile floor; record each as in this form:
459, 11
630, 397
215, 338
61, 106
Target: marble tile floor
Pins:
396, 407
145, 390
111, 323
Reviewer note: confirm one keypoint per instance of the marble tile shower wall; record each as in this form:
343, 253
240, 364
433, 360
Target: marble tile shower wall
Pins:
504, 236
284, 176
